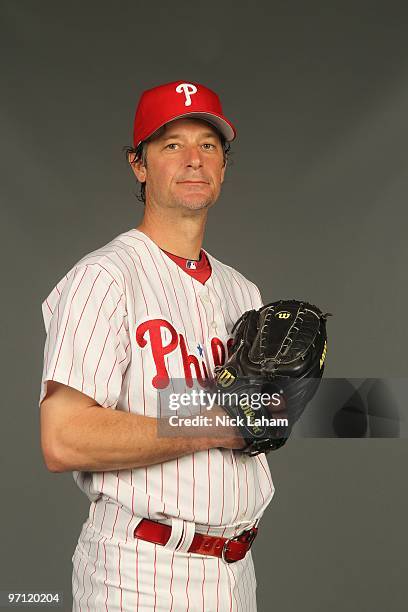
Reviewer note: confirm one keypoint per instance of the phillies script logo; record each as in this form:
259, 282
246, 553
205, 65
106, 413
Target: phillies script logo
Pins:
151, 333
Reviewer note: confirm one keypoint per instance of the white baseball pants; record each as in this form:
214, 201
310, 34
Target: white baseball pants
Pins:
113, 571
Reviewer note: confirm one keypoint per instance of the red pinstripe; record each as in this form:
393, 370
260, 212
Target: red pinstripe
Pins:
66, 325
188, 309
266, 473
188, 580
198, 310
137, 274
159, 275
99, 361
174, 289
202, 583
146, 276
148, 498
74, 595
137, 574
218, 584
254, 492
246, 482
171, 582
209, 488
238, 494
130, 276
154, 580
107, 382
259, 293
178, 483
120, 579
244, 585
193, 458
117, 485
79, 321
240, 288
90, 578
77, 589
59, 293
247, 286
220, 302
90, 337
106, 577
212, 306
105, 564
223, 493
90, 524
238, 310
239, 590
126, 348
103, 519
98, 263
233, 317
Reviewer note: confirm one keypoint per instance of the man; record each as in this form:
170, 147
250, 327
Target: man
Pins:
147, 309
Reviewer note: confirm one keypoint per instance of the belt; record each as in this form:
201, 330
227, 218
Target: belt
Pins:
229, 549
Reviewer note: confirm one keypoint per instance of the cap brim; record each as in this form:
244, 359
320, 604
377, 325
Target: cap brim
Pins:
224, 126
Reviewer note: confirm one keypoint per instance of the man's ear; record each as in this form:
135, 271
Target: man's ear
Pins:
223, 170
138, 168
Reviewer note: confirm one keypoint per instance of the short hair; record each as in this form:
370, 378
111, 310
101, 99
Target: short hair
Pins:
140, 152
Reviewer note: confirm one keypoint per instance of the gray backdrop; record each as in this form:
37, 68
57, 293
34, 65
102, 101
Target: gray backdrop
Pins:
313, 206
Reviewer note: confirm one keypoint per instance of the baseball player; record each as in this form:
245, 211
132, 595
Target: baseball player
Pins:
171, 519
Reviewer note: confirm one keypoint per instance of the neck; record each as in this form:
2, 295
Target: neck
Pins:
182, 236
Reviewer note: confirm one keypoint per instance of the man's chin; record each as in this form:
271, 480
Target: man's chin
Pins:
195, 204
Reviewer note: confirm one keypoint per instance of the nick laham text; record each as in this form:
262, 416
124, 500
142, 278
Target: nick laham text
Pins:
225, 421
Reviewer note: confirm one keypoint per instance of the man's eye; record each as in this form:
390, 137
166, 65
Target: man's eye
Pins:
209, 146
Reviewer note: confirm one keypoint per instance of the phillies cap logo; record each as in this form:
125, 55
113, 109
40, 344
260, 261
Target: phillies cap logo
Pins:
188, 89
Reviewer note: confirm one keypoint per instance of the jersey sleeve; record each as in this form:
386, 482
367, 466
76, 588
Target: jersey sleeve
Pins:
256, 297
87, 343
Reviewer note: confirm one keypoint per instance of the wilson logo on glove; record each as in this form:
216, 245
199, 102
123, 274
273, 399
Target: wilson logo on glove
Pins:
282, 315
227, 378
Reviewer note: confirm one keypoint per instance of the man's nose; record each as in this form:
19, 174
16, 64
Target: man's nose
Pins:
193, 157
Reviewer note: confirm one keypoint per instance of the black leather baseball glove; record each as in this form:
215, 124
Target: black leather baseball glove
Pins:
274, 369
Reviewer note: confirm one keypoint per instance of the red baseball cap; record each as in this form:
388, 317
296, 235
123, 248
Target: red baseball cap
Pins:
165, 103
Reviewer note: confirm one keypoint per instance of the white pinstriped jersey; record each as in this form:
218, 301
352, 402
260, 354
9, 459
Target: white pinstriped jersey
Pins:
126, 317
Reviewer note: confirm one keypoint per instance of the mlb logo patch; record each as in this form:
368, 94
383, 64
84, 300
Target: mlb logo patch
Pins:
192, 265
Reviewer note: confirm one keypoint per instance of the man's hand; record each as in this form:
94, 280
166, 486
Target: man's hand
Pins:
233, 438
225, 436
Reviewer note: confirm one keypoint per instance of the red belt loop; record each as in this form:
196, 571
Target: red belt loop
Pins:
229, 549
